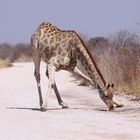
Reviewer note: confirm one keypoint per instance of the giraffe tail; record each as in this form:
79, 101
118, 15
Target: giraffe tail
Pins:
35, 40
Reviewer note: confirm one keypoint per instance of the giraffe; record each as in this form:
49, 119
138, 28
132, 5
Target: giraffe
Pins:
60, 49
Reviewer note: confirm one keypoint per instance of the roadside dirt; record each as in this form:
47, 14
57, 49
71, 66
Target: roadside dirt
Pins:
86, 118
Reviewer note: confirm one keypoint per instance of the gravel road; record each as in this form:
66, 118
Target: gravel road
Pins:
86, 118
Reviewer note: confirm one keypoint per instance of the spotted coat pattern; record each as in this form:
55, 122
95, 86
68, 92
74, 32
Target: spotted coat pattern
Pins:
61, 49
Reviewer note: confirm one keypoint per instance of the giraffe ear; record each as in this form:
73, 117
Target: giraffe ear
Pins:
112, 85
108, 86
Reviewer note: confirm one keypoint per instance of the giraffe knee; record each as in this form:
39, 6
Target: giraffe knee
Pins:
51, 85
37, 76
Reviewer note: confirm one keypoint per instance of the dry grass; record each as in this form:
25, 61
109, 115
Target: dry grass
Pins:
4, 64
121, 68
118, 59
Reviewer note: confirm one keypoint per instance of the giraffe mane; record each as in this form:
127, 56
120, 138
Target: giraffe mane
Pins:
91, 57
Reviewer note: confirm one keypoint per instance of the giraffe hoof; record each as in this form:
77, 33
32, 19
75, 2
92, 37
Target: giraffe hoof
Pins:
65, 107
111, 110
119, 105
43, 109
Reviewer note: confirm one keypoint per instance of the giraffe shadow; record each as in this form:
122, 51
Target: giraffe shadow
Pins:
23, 108
129, 110
49, 109
122, 110
38, 109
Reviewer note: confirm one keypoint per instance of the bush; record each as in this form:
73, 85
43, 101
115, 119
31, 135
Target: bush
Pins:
118, 59
4, 64
19, 52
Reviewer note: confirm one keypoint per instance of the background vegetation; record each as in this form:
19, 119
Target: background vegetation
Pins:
118, 58
16, 53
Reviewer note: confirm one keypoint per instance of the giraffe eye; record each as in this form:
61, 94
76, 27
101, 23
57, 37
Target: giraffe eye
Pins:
108, 86
112, 85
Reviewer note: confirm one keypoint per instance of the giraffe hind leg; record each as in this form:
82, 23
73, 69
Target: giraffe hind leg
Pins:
37, 76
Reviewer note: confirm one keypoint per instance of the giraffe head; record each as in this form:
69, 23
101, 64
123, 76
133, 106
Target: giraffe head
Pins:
104, 95
110, 90
109, 96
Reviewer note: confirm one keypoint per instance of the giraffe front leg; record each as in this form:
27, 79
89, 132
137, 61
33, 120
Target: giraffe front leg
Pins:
117, 105
77, 72
59, 99
51, 76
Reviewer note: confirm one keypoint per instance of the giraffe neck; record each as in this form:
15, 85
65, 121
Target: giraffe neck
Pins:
89, 64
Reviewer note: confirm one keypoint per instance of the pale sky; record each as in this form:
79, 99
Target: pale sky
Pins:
20, 18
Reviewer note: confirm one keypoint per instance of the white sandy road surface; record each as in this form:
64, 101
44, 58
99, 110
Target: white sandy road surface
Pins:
20, 118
